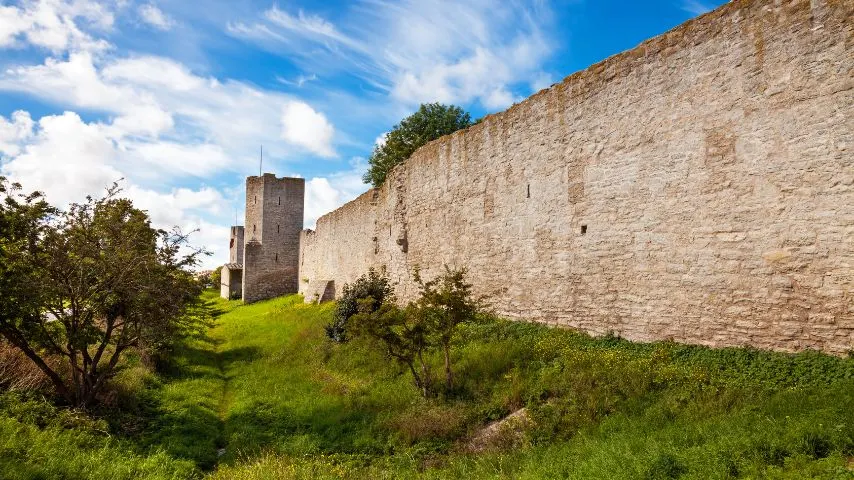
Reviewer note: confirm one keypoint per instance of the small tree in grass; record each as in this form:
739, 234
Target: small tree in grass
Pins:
374, 285
402, 332
409, 334
445, 303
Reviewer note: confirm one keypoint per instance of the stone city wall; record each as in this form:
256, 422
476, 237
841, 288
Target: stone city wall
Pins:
698, 188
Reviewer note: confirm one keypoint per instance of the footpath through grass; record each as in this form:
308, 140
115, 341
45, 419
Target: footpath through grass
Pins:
263, 395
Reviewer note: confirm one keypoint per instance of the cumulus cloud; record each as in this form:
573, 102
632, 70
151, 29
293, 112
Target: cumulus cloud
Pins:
155, 17
154, 97
51, 24
14, 131
303, 126
68, 158
324, 194
418, 51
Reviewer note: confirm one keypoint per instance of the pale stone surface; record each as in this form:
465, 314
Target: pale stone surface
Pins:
318, 291
710, 169
231, 280
235, 245
232, 272
274, 215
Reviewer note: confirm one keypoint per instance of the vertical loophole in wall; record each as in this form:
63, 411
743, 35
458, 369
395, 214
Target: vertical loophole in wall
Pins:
256, 199
253, 228
529, 190
277, 229
277, 256
583, 229
280, 200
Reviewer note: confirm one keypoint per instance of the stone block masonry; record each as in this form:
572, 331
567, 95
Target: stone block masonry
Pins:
274, 216
698, 188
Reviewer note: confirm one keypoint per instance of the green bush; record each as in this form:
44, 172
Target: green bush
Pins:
374, 285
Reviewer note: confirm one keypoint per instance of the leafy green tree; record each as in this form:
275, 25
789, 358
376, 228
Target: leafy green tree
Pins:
444, 304
402, 332
424, 326
216, 278
431, 121
375, 285
93, 282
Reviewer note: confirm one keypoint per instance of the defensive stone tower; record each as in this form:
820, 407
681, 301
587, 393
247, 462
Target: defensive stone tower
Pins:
232, 272
274, 218
235, 245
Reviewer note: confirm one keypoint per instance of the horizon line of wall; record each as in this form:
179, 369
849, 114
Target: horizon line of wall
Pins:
698, 188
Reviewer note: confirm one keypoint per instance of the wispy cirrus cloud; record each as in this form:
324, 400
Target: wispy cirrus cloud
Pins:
153, 16
146, 118
418, 51
696, 7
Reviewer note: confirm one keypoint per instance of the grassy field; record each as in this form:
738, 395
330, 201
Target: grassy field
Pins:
262, 394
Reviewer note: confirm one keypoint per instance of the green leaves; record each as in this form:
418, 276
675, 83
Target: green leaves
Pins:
431, 121
367, 309
84, 285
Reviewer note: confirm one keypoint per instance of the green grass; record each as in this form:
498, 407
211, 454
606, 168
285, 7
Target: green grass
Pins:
262, 394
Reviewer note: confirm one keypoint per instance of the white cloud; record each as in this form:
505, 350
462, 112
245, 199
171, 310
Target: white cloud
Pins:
324, 194
303, 126
541, 81
162, 100
14, 131
696, 7
155, 17
418, 50
51, 24
381, 139
299, 81
68, 159
312, 26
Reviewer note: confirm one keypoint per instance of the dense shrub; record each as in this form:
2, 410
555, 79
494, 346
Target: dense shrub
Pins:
375, 285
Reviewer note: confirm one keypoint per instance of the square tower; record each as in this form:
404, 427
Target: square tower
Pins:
235, 245
232, 272
274, 218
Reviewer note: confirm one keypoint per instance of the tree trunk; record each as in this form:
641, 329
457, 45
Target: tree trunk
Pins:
425, 376
60, 386
449, 375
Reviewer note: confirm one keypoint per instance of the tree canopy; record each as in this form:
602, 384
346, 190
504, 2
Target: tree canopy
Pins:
82, 286
431, 121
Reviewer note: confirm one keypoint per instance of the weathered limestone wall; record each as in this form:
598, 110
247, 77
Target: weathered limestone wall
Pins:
274, 216
699, 188
231, 281
235, 245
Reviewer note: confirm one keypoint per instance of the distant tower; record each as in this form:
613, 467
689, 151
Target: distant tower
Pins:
235, 245
232, 272
274, 217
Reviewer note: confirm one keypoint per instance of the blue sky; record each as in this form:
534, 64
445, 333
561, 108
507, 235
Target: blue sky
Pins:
176, 97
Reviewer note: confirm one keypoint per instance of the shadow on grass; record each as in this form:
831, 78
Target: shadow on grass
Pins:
322, 427
182, 415
179, 412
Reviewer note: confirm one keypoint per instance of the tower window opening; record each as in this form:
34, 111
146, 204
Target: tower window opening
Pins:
529, 190
277, 256
280, 200
256, 199
277, 229
253, 228
583, 229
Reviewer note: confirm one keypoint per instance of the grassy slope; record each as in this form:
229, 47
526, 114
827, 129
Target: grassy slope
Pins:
263, 395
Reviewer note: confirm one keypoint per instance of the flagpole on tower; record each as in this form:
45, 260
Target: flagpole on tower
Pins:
261, 163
